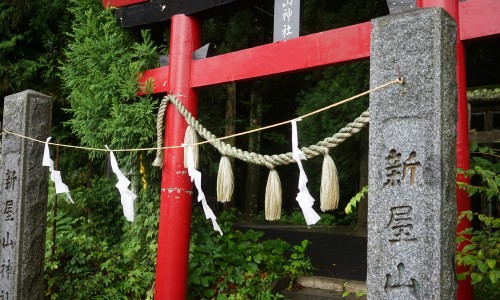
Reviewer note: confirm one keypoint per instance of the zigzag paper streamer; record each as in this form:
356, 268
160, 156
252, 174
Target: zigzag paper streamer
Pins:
127, 197
305, 199
55, 176
195, 176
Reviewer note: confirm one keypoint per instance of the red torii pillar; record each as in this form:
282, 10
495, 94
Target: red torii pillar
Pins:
176, 187
465, 291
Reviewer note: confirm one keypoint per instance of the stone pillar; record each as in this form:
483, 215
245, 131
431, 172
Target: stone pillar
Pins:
23, 196
412, 209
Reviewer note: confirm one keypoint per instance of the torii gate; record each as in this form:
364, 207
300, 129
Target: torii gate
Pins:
475, 19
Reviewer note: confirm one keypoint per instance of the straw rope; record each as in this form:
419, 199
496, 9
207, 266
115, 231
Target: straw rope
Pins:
270, 161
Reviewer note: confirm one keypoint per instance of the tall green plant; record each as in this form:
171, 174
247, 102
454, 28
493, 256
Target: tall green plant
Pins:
98, 254
101, 74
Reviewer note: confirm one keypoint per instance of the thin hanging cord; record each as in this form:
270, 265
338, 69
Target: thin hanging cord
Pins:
398, 80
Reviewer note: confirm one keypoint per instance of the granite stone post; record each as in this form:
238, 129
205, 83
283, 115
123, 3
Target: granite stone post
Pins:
23, 196
412, 210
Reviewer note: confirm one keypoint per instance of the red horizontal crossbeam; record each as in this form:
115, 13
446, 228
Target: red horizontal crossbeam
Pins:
159, 77
479, 18
320, 49
120, 3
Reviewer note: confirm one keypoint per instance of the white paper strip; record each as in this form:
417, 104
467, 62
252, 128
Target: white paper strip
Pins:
196, 178
305, 199
55, 176
127, 197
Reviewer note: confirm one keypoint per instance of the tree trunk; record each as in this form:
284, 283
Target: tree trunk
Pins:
230, 128
254, 142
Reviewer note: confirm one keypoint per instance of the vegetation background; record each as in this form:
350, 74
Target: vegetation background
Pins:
75, 51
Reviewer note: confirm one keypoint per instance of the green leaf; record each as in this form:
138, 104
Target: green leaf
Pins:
491, 263
209, 293
462, 276
476, 278
355, 200
484, 149
471, 190
469, 247
494, 276
360, 293
482, 266
257, 258
345, 294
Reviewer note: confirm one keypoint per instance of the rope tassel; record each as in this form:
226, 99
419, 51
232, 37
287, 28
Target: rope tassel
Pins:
273, 196
191, 138
329, 190
225, 180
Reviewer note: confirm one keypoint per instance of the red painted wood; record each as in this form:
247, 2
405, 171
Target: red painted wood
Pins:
315, 50
120, 3
159, 77
479, 18
176, 187
465, 291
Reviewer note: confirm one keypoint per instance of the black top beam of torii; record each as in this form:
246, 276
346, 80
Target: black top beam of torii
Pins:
162, 10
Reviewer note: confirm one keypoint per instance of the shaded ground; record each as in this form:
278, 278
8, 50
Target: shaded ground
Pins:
338, 252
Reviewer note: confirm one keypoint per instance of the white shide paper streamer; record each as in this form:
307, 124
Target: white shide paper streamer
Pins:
195, 176
127, 197
305, 199
54, 175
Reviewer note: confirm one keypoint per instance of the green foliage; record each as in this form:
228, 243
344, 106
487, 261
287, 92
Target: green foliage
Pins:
91, 258
238, 265
100, 74
486, 170
481, 253
346, 293
298, 264
99, 255
31, 45
355, 200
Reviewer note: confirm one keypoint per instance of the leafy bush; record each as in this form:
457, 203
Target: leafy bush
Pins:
482, 250
482, 253
100, 74
238, 265
94, 258
97, 254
